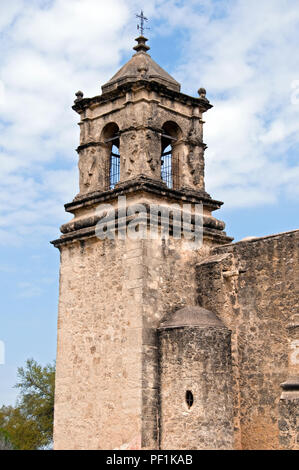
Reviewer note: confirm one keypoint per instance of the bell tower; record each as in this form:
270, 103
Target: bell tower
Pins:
141, 140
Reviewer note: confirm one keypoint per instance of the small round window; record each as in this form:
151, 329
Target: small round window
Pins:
189, 399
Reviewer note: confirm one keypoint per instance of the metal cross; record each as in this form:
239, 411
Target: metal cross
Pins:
141, 27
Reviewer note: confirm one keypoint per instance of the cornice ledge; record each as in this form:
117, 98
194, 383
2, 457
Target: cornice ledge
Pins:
82, 104
143, 183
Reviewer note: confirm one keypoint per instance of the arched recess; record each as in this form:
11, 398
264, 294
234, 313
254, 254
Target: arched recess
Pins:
171, 134
110, 138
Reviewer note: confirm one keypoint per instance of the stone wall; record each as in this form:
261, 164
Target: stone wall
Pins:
99, 367
288, 423
195, 360
253, 287
113, 295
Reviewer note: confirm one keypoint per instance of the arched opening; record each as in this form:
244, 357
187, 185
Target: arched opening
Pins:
110, 136
169, 159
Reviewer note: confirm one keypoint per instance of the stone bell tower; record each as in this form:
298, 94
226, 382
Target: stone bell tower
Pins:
141, 139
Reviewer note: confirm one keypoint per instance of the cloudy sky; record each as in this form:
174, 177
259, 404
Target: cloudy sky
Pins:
244, 53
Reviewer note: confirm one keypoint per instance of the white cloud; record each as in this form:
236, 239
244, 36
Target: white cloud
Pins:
2, 93
9, 11
50, 50
248, 62
28, 290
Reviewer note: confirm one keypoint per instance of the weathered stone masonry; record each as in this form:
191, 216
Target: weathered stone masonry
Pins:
160, 346
195, 352
253, 287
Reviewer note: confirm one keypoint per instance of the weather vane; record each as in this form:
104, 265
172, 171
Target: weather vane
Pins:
141, 27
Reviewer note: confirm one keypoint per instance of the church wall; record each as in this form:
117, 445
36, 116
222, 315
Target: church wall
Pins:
113, 296
99, 357
253, 287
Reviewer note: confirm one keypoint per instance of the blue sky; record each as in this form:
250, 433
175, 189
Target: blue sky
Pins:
244, 53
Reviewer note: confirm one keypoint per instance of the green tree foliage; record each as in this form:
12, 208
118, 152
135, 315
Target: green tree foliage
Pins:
23, 433
29, 424
5, 442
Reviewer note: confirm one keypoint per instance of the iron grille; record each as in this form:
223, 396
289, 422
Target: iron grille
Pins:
114, 167
166, 167
170, 168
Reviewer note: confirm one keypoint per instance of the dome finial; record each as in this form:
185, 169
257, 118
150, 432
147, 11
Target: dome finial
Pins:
141, 46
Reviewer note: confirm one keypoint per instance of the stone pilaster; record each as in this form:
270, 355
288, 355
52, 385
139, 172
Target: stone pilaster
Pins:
288, 423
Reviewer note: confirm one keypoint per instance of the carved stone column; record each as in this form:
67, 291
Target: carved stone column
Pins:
92, 167
140, 151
